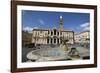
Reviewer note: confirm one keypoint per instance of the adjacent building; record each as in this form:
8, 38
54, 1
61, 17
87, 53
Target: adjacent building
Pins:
53, 36
82, 38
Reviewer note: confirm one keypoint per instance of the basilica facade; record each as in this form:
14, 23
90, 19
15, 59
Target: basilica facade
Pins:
53, 36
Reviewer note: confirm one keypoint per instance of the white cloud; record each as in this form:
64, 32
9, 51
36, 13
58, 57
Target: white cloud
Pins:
41, 22
35, 27
29, 29
85, 26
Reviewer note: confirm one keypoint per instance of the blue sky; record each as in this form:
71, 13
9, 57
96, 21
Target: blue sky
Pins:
77, 22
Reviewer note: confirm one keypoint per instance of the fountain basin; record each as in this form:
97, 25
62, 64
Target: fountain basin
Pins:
56, 54
49, 54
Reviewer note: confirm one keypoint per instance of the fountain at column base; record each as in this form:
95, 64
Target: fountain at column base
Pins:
50, 54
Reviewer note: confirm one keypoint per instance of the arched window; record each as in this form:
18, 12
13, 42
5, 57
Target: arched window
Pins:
54, 31
54, 40
47, 40
51, 40
58, 33
51, 33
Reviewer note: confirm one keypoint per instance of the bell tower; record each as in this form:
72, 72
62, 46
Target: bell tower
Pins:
61, 26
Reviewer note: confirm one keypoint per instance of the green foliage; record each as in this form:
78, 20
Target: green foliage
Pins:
26, 37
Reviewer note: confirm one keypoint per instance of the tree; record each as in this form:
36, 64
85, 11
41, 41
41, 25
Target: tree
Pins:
26, 38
